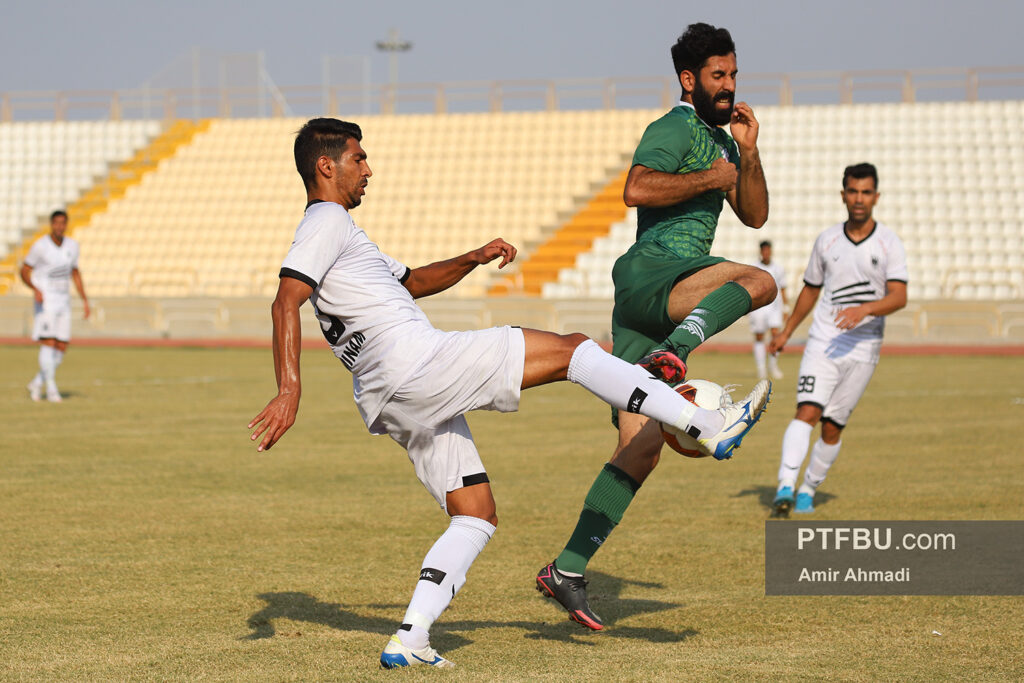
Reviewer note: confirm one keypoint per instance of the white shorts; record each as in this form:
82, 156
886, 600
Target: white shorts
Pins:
835, 384
52, 323
478, 370
765, 318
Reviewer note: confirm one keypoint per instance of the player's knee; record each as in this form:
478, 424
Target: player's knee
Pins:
831, 433
574, 339
806, 412
764, 289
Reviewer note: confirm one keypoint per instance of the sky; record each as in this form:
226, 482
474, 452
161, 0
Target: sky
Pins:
120, 44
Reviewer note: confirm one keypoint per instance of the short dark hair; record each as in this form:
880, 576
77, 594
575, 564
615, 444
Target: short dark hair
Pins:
58, 212
862, 170
321, 137
697, 43
765, 243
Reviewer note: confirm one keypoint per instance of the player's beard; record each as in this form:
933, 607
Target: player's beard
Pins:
704, 103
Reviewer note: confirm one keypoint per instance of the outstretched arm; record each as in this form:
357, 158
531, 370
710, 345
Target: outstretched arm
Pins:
749, 199
275, 419
804, 303
439, 276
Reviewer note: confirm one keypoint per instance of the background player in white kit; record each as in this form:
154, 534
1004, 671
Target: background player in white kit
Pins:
49, 268
768, 318
860, 269
414, 382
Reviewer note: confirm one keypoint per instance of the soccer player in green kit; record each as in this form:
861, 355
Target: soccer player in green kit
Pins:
670, 293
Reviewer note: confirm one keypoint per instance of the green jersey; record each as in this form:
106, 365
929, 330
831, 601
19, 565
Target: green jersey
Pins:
680, 142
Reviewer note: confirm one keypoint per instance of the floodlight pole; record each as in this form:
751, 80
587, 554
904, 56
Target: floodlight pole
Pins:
393, 46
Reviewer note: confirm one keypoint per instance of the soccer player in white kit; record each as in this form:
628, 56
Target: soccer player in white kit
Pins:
414, 382
859, 269
768, 318
49, 268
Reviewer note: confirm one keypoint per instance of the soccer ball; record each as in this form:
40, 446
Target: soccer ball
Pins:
704, 394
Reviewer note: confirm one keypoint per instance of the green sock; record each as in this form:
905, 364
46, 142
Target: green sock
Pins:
607, 500
714, 313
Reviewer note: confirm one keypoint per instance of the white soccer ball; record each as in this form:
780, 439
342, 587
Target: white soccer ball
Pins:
704, 394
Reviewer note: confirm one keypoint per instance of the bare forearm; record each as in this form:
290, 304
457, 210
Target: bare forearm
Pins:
26, 276
76, 277
752, 190
804, 303
287, 347
890, 303
652, 188
440, 275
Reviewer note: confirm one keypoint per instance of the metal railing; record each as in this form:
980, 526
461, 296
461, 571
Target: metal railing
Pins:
781, 89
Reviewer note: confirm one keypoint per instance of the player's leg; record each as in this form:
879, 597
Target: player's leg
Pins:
772, 360
816, 383
42, 332
447, 463
760, 355
713, 298
48, 366
835, 415
44, 358
550, 357
610, 495
52, 392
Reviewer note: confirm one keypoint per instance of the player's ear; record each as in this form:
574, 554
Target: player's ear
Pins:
687, 80
325, 166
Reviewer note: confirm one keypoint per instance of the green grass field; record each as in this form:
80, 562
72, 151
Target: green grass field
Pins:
142, 537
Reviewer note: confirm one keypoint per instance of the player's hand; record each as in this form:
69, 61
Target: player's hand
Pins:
274, 420
724, 174
494, 249
849, 318
86, 310
778, 342
743, 127
37, 294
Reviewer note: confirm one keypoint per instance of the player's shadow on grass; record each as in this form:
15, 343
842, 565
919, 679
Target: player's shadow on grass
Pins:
604, 596
766, 494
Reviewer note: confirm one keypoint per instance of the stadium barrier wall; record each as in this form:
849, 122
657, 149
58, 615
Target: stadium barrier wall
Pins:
932, 323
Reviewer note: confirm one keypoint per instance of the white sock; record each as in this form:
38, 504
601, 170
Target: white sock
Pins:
47, 364
794, 449
58, 358
773, 363
759, 357
822, 457
442, 574
631, 388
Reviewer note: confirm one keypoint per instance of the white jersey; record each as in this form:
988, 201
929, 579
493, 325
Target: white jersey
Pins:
370, 320
51, 270
778, 273
850, 274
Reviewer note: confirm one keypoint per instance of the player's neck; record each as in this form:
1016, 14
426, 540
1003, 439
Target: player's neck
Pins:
326, 195
57, 240
858, 230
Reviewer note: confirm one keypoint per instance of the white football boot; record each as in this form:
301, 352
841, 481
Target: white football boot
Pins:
739, 419
396, 655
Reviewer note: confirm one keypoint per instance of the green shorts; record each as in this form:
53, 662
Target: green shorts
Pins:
644, 277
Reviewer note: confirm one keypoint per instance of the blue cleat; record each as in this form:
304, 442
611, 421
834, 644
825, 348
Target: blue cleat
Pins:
739, 419
783, 502
804, 503
396, 656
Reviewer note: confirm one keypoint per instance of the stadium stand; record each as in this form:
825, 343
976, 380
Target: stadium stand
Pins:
212, 215
950, 180
48, 165
216, 219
